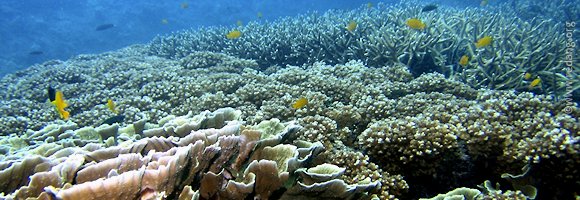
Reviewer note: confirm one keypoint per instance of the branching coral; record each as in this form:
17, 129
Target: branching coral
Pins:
382, 38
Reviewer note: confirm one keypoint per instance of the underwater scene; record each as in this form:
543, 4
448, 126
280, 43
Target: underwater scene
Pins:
318, 99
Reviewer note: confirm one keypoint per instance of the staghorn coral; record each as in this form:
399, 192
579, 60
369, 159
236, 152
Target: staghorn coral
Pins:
562, 10
536, 46
208, 59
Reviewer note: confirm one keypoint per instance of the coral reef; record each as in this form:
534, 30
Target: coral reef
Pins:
563, 10
407, 127
536, 46
395, 118
226, 160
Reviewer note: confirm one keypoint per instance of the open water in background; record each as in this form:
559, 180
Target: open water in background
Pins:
34, 31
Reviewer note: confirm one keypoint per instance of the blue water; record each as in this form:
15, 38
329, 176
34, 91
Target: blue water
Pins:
59, 29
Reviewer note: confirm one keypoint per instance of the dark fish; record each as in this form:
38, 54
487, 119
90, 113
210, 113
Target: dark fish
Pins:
51, 94
114, 119
103, 27
36, 53
429, 7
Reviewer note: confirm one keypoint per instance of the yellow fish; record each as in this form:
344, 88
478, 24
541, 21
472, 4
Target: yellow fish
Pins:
369, 5
351, 26
235, 34
59, 103
300, 103
164, 21
260, 15
527, 76
111, 106
239, 23
464, 60
483, 42
535, 83
416, 24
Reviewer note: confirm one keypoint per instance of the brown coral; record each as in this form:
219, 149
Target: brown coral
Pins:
230, 162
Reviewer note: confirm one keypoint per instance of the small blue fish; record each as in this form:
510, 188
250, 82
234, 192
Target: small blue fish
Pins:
36, 53
429, 7
103, 27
